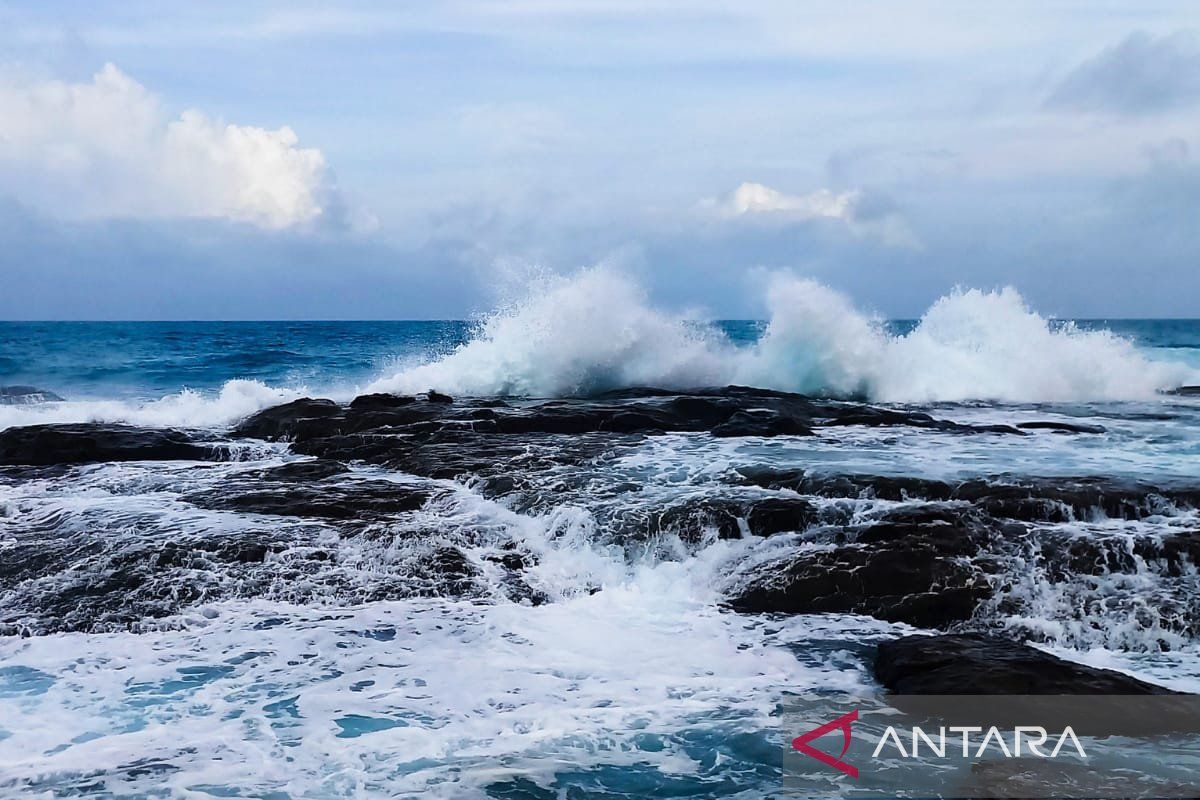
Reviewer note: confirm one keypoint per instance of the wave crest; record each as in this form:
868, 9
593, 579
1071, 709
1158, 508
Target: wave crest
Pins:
596, 331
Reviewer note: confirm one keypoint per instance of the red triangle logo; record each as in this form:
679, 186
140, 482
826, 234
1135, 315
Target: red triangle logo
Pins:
842, 723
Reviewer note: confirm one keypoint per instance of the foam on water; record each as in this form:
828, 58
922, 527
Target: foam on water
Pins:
187, 408
596, 331
643, 687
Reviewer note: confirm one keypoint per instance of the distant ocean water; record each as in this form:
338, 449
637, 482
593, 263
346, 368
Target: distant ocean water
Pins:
145, 361
527, 632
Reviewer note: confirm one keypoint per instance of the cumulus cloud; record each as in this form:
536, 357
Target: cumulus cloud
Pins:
107, 148
1142, 74
861, 213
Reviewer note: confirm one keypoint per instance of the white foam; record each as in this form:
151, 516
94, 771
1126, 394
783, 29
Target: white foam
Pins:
596, 331
187, 408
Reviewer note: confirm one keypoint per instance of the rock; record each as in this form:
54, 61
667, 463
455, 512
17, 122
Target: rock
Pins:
911, 566
309, 470
26, 395
280, 422
958, 664
1061, 427
896, 585
381, 400
437, 397
1041, 777
779, 514
1185, 391
693, 519
772, 478
347, 500
760, 423
88, 442
1064, 499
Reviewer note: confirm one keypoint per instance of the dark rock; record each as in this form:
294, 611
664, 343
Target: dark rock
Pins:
1063, 499
760, 423
772, 478
779, 514
693, 519
957, 664
883, 487
311, 470
1061, 427
900, 584
1042, 777
349, 500
26, 395
912, 565
1185, 391
88, 442
381, 400
438, 397
279, 422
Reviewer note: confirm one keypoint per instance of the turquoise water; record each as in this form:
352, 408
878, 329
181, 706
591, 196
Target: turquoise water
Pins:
147, 360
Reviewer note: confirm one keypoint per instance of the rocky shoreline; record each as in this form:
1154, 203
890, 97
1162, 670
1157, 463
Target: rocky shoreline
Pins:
940, 555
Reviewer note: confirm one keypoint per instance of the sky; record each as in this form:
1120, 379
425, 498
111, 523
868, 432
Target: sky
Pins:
259, 160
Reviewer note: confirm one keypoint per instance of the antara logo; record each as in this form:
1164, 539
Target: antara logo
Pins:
1025, 740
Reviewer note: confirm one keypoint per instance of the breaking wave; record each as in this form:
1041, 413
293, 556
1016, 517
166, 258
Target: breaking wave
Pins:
187, 408
596, 331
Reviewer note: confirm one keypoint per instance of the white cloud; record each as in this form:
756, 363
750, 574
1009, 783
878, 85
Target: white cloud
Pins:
107, 148
862, 215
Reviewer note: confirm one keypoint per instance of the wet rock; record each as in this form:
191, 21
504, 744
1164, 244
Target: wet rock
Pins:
1185, 391
279, 422
109, 586
883, 487
779, 514
1064, 499
897, 584
730, 411
348, 500
760, 423
381, 400
693, 520
311, 470
1061, 427
1041, 777
977, 664
913, 565
26, 395
88, 442
772, 478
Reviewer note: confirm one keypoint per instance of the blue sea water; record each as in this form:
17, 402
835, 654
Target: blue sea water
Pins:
148, 360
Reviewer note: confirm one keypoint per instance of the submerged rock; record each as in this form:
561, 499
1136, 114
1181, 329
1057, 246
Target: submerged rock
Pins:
955, 664
88, 442
1061, 427
356, 500
26, 395
912, 565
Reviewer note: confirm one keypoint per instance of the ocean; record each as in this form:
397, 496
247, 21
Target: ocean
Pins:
551, 610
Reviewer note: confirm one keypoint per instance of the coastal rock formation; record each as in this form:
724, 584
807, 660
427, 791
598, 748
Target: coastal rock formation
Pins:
80, 443
985, 665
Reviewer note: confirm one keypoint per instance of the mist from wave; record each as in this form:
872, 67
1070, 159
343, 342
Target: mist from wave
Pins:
596, 331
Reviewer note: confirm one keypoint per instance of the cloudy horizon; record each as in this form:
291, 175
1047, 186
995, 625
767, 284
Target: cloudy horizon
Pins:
264, 160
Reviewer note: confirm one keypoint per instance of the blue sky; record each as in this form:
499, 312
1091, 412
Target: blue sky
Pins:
288, 160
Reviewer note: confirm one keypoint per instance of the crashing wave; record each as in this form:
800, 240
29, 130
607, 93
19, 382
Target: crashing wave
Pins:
596, 331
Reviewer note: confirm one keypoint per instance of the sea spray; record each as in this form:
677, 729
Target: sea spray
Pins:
596, 331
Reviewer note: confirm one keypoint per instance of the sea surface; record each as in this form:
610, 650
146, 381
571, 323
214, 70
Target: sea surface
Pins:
319, 674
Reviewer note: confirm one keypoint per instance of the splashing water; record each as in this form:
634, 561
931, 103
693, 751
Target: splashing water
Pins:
596, 331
